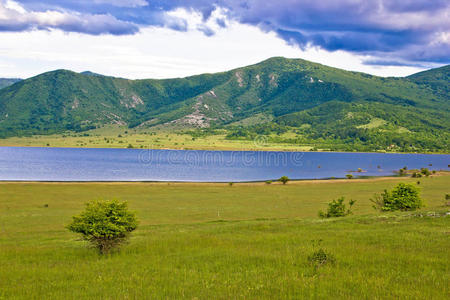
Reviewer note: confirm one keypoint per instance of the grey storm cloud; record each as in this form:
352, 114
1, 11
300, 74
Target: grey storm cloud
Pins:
407, 30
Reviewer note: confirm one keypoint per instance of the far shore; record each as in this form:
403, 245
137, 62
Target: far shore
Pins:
200, 148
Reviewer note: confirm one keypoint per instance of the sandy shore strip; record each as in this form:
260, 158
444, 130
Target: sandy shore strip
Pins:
177, 183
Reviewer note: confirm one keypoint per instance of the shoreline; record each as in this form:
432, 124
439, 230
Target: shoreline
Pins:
269, 149
248, 183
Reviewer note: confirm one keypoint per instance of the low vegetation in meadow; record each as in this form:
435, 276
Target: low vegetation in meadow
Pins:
204, 241
402, 197
337, 208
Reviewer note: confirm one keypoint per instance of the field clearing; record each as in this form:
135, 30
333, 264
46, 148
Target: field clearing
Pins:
204, 241
120, 137
178, 138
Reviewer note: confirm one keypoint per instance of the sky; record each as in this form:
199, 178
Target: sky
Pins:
176, 38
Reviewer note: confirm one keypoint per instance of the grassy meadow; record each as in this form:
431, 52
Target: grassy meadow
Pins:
113, 136
213, 241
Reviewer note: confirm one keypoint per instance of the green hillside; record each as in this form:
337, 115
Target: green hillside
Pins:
344, 110
436, 80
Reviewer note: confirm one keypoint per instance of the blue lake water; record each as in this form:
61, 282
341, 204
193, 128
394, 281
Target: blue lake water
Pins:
76, 164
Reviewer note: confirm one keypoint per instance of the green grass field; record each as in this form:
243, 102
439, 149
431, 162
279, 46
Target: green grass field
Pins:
213, 241
121, 137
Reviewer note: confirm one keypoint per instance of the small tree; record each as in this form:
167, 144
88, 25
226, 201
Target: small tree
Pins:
425, 171
284, 179
337, 208
349, 176
105, 224
402, 197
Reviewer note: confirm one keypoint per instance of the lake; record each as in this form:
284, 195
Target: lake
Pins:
77, 164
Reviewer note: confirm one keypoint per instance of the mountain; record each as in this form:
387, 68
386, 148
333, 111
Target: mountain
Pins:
437, 80
320, 102
4, 82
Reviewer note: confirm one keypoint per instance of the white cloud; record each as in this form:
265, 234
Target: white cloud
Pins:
13, 6
161, 52
13, 17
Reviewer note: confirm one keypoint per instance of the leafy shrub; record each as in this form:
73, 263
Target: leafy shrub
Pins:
447, 197
269, 182
349, 176
402, 197
337, 208
425, 171
284, 179
105, 224
416, 175
320, 256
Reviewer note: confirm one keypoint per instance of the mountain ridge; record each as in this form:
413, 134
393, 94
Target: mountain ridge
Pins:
283, 89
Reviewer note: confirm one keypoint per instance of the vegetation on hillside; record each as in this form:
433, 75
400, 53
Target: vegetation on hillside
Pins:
318, 105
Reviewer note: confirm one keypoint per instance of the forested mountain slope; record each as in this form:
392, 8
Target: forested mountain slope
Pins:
320, 102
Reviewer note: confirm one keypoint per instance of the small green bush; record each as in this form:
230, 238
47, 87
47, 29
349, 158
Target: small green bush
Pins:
320, 257
269, 182
402, 197
337, 208
284, 179
425, 172
105, 224
349, 176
